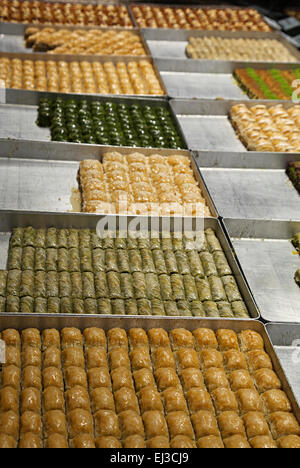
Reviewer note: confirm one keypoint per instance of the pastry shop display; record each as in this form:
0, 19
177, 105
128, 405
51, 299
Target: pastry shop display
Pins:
293, 171
134, 77
85, 42
263, 129
73, 271
242, 50
220, 19
40, 12
109, 123
137, 184
138, 389
267, 84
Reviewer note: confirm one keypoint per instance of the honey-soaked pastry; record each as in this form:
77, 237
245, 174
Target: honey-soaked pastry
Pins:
187, 358
276, 400
143, 378
57, 441
50, 337
11, 337
52, 357
12, 356
166, 377
205, 424
240, 379
237, 442
119, 357
283, 424
256, 424
98, 377
106, 424
155, 424
11, 377
31, 377
102, 399
7, 442
210, 358
120, 378
73, 357
150, 400
117, 338
31, 357
131, 424
30, 400
289, 442
182, 442
249, 400
199, 399
80, 421
31, 337
52, 377
125, 399
215, 378
9, 424
210, 442
263, 442
266, 379
71, 337
250, 340
55, 423
53, 399
134, 441
30, 440
83, 441
174, 400
258, 359
158, 442
234, 360
9, 399
205, 338
224, 400
227, 340
77, 397
31, 422
108, 442
191, 378
140, 358
94, 338
163, 357
181, 338
137, 338
230, 424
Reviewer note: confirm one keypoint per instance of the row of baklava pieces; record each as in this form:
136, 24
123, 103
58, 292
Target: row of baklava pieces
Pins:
104, 306
65, 41
132, 78
202, 19
139, 182
270, 84
254, 49
273, 129
161, 401
64, 13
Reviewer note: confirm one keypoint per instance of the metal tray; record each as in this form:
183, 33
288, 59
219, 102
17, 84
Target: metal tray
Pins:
11, 219
19, 112
171, 43
253, 193
285, 340
207, 127
30, 182
206, 79
268, 260
88, 58
12, 35
19, 323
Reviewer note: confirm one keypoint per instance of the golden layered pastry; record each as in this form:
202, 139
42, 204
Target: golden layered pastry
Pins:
249, 50
141, 389
133, 77
273, 129
85, 42
137, 184
39, 12
221, 19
